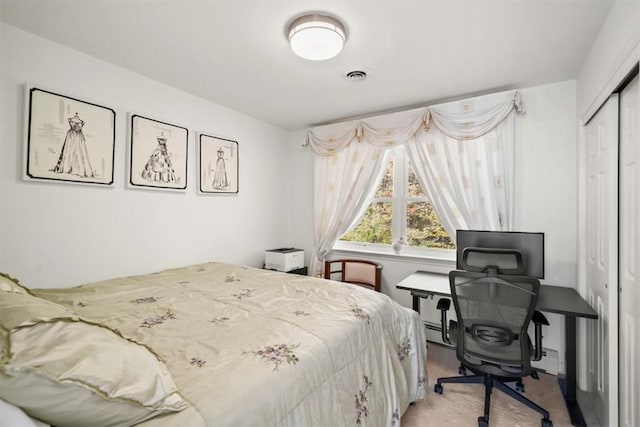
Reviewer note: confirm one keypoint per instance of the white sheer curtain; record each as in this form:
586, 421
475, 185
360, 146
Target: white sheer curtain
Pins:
463, 160
342, 184
470, 183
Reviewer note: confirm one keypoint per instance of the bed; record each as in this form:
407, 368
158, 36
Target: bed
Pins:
226, 345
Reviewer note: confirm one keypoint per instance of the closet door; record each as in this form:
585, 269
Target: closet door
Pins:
629, 255
601, 191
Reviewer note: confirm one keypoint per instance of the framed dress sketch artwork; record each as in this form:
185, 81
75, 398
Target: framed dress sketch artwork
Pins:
218, 165
158, 154
68, 139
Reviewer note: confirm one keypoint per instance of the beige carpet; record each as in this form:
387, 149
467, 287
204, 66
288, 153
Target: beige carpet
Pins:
462, 404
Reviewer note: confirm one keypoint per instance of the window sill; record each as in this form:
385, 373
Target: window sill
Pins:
431, 263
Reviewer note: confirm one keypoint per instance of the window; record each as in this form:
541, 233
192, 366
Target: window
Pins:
399, 208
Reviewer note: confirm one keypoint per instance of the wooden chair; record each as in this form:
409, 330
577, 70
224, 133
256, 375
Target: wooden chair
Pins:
359, 272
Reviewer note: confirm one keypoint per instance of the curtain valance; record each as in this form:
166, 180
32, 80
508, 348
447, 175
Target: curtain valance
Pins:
396, 128
470, 185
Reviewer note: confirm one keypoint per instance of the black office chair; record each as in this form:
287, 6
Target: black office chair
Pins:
494, 306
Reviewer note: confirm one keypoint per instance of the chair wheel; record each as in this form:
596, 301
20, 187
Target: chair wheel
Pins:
546, 423
462, 370
483, 422
534, 375
520, 387
437, 388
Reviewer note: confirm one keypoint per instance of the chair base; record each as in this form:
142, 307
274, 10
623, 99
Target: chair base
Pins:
490, 382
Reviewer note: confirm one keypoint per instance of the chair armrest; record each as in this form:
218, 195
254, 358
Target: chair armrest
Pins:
443, 305
538, 317
538, 320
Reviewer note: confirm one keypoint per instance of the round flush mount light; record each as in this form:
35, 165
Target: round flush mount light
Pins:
316, 37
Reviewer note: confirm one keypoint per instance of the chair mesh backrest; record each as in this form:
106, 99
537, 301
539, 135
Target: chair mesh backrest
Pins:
507, 261
494, 311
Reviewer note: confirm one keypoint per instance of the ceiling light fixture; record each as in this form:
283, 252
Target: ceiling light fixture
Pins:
316, 37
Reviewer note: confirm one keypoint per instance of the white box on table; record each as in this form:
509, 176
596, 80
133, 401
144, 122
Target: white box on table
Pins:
283, 259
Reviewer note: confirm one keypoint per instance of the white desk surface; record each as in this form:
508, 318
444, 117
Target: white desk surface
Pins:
433, 283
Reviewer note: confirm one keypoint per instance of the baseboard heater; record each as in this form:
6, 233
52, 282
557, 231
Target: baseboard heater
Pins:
432, 326
549, 362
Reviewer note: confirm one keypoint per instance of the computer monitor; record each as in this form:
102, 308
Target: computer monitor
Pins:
530, 245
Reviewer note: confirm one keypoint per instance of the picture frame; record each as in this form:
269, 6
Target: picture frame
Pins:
68, 139
158, 154
218, 161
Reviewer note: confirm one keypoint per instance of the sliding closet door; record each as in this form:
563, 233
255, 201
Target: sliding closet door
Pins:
601, 191
629, 255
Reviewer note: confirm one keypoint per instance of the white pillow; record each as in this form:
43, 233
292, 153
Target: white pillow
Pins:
12, 416
69, 372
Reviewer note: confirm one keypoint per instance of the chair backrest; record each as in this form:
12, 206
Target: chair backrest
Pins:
494, 311
359, 272
506, 261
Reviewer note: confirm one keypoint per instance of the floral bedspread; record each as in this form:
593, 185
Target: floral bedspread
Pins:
250, 347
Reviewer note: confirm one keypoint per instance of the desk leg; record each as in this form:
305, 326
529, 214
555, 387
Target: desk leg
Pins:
416, 303
568, 382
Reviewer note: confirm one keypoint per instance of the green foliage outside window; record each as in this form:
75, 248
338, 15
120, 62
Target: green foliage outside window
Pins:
374, 227
423, 227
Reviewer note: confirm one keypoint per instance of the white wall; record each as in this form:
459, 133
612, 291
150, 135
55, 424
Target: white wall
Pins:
546, 199
57, 235
614, 52
546, 174
299, 208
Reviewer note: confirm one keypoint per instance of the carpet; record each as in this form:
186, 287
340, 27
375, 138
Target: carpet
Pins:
462, 404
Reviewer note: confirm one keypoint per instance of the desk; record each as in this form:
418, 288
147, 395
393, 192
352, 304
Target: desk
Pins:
552, 299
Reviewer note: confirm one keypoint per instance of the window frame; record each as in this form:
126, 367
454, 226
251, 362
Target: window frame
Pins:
399, 203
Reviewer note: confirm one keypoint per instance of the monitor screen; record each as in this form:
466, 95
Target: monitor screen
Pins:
530, 245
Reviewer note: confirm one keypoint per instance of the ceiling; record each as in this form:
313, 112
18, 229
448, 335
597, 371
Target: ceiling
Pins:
416, 52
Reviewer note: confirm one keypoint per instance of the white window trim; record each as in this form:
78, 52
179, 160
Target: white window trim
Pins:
437, 258
435, 263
